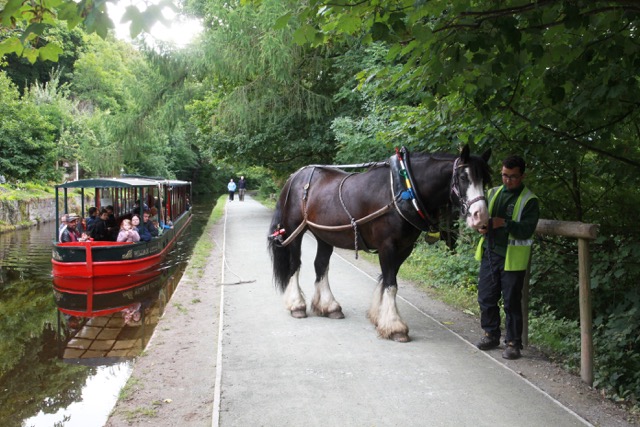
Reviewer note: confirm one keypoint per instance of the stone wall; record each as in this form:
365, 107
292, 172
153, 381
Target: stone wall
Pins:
24, 213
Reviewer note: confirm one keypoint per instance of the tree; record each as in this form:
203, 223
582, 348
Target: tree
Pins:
552, 80
269, 93
23, 73
23, 25
26, 138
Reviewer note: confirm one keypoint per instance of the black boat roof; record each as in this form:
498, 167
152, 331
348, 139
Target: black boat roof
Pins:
124, 182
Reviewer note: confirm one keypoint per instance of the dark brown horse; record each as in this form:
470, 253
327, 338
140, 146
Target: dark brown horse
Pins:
383, 209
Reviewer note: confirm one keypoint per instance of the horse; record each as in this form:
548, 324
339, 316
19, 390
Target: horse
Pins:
383, 209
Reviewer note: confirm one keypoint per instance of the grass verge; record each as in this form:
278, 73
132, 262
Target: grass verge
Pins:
203, 248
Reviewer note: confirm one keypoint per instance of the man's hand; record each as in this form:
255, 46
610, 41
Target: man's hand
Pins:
498, 222
494, 222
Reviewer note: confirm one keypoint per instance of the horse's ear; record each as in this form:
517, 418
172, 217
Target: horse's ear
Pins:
464, 153
485, 156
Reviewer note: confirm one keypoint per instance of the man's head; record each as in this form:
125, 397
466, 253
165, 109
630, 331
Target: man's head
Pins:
513, 168
72, 220
93, 211
145, 216
104, 214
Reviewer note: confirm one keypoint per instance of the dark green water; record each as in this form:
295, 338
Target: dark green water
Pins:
38, 388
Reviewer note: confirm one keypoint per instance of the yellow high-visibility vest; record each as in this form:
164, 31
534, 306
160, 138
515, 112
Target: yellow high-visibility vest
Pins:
518, 250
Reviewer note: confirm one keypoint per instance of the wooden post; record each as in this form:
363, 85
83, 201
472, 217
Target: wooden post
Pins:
583, 232
586, 333
525, 304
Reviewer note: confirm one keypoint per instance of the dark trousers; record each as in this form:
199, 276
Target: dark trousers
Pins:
231, 195
494, 282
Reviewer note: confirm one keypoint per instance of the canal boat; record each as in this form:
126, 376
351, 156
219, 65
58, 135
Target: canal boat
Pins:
92, 273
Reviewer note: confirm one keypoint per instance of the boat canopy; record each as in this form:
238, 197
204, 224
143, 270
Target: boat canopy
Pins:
125, 182
169, 196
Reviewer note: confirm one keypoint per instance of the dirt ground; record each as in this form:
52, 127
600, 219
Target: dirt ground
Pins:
173, 381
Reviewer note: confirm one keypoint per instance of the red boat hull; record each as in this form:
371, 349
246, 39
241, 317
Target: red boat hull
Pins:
85, 260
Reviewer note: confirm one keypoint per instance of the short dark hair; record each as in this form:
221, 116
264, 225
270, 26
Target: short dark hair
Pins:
512, 162
92, 210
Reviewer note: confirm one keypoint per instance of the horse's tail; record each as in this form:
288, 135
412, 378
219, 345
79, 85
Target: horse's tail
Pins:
280, 255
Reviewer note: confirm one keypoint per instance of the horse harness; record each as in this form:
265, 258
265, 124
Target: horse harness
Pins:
405, 199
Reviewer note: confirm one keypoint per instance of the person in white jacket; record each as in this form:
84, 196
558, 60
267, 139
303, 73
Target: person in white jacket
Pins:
232, 189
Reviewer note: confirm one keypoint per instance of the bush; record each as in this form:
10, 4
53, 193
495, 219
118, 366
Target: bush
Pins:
441, 267
556, 337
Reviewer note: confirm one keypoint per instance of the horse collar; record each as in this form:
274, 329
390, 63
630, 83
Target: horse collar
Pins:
405, 194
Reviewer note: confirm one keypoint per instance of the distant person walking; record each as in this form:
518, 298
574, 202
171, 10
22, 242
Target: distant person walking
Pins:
242, 188
231, 186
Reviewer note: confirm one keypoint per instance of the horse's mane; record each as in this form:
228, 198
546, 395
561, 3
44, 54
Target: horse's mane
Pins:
478, 168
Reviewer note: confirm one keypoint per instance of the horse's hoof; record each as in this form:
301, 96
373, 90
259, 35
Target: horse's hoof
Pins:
399, 337
299, 314
336, 315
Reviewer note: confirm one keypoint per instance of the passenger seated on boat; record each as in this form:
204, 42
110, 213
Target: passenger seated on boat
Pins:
161, 226
153, 215
91, 219
63, 225
71, 232
145, 236
100, 231
136, 208
112, 224
127, 233
153, 230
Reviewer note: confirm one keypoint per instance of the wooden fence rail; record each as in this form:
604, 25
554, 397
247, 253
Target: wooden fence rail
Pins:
584, 233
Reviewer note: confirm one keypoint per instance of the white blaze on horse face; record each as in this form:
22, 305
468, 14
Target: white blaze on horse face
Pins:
478, 215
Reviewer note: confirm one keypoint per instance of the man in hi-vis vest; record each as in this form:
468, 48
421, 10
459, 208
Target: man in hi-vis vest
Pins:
504, 251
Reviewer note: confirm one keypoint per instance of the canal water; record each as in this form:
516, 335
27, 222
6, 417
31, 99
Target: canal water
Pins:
50, 376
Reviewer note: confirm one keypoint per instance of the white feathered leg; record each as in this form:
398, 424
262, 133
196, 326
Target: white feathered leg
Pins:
384, 314
294, 297
324, 303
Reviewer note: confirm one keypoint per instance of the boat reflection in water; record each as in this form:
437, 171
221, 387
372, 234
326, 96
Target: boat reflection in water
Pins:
107, 291
103, 327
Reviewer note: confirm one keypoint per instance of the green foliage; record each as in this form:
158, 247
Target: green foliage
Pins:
260, 178
275, 79
24, 74
25, 191
24, 26
440, 267
557, 336
104, 75
26, 138
202, 250
615, 301
617, 345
